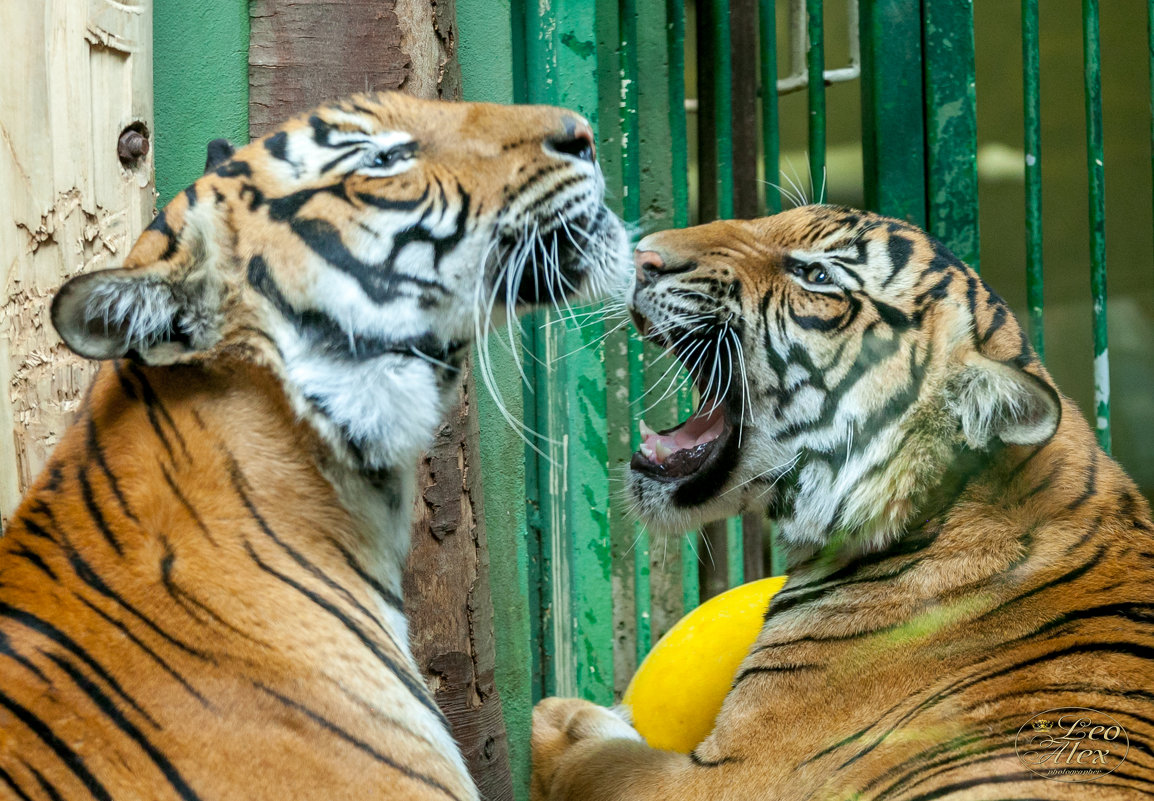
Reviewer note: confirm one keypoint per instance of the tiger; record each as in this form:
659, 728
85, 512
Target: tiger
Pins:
200, 596
963, 556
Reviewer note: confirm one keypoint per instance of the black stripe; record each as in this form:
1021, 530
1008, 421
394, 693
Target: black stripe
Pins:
45, 629
390, 597
759, 669
95, 513
188, 507
90, 577
711, 763
8, 650
1070, 575
7, 779
35, 529
167, 668
35, 560
360, 745
1091, 483
240, 485
277, 146
351, 149
159, 224
45, 785
189, 602
113, 713
70, 758
155, 405
415, 686
950, 789
125, 384
899, 249
97, 453
233, 169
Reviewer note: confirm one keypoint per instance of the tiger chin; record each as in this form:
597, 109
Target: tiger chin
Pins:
200, 597
964, 556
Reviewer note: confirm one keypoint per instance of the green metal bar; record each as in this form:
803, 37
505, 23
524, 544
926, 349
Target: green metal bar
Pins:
631, 201
570, 383
951, 126
1032, 107
776, 550
770, 134
675, 14
488, 56
690, 580
1150, 53
541, 509
734, 552
200, 85
893, 123
815, 61
1091, 58
723, 107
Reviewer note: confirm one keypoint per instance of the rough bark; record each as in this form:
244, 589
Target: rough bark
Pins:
74, 76
306, 51
448, 601
302, 53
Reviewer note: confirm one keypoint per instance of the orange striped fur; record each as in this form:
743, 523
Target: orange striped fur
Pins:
200, 598
964, 555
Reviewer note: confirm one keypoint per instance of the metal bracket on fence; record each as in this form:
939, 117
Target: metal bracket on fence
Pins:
798, 77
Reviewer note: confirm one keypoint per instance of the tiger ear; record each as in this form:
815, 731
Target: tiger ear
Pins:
219, 151
138, 314
999, 400
162, 306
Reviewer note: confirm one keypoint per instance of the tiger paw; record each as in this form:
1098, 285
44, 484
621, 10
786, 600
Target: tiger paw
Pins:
559, 724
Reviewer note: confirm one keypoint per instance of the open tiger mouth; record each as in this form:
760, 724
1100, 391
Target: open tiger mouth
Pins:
554, 262
698, 446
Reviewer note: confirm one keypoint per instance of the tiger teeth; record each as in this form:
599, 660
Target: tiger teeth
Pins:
647, 452
662, 450
646, 431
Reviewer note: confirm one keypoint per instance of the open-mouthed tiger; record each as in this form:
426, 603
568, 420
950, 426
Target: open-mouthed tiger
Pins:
965, 556
200, 598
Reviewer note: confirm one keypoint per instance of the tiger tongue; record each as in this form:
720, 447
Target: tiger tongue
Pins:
696, 431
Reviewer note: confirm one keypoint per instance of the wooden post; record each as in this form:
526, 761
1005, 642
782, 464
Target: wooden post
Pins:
307, 51
73, 76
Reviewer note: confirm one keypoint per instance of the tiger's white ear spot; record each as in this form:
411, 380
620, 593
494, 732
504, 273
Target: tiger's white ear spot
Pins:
115, 313
995, 400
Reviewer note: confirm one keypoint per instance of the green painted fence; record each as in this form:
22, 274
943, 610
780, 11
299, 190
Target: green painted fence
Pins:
580, 590
594, 580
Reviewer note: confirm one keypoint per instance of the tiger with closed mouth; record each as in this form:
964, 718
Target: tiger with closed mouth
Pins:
964, 555
200, 597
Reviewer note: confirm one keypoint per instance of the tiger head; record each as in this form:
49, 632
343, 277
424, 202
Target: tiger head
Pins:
849, 367
356, 251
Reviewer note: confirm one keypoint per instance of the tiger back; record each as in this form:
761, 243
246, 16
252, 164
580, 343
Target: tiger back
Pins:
200, 596
966, 562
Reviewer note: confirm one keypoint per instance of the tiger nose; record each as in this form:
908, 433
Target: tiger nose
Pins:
574, 141
647, 264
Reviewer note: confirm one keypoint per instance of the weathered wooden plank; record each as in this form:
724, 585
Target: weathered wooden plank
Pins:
448, 602
303, 52
306, 51
75, 75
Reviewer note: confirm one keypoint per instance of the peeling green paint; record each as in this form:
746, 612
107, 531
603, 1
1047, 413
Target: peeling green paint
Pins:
582, 49
951, 127
892, 108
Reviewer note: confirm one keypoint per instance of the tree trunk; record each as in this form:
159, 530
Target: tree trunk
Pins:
73, 76
302, 53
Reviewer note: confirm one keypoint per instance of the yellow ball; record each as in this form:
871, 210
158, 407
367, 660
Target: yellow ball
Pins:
677, 692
